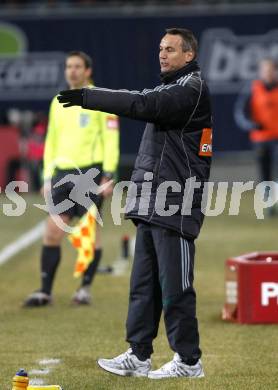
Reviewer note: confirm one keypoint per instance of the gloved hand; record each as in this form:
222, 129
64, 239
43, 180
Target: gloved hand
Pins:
71, 97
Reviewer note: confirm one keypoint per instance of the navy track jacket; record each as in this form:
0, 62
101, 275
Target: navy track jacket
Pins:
175, 147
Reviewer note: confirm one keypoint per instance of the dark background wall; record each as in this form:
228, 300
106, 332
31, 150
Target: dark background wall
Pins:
125, 52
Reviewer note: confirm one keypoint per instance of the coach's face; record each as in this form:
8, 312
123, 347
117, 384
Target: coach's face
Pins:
171, 55
76, 73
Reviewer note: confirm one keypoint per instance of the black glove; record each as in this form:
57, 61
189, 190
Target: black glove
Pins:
71, 97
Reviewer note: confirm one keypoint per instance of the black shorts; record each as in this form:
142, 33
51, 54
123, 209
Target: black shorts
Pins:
73, 195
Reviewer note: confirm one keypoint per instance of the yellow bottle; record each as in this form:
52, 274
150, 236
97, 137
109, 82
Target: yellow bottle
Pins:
20, 380
53, 387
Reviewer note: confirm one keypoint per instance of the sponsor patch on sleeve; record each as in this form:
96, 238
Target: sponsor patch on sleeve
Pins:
112, 122
206, 143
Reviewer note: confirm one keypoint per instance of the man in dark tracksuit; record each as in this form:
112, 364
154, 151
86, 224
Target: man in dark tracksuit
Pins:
175, 150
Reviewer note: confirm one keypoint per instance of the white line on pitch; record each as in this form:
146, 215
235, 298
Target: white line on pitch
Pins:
48, 366
22, 242
120, 265
132, 246
49, 362
44, 371
36, 382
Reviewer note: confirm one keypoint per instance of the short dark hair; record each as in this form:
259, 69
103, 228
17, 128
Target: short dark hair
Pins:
189, 41
88, 62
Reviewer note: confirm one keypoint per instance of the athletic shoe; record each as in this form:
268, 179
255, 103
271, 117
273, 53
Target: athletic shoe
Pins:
82, 296
176, 368
126, 364
37, 299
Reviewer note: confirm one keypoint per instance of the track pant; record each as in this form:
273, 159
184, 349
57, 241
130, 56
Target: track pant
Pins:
267, 158
162, 279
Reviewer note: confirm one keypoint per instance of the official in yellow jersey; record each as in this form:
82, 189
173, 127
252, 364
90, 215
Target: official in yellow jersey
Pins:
78, 142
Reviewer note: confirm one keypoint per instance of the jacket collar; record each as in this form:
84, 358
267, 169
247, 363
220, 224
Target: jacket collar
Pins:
169, 77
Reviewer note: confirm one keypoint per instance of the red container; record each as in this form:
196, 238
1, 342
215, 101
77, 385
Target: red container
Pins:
252, 288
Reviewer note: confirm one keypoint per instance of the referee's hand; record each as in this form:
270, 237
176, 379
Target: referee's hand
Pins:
71, 97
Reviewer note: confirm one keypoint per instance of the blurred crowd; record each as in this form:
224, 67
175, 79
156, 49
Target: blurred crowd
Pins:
23, 134
74, 3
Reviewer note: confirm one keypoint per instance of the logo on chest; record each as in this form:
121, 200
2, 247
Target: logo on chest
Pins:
84, 119
206, 143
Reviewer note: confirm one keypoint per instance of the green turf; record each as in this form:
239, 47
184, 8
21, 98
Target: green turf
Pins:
235, 357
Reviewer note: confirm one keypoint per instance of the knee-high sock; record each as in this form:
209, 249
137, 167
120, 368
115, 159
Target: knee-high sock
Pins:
92, 269
50, 259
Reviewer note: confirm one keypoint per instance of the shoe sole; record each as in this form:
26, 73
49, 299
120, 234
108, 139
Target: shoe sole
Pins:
150, 376
121, 372
32, 305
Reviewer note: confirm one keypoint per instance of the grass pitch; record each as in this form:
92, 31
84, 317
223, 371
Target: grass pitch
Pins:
235, 357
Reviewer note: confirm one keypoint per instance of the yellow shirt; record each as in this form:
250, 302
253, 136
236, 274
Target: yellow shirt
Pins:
79, 138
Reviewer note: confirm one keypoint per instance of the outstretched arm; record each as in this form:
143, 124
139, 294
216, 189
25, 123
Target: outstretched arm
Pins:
168, 104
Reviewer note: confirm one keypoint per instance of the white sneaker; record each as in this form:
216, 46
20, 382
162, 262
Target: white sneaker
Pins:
82, 296
176, 368
126, 364
37, 299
